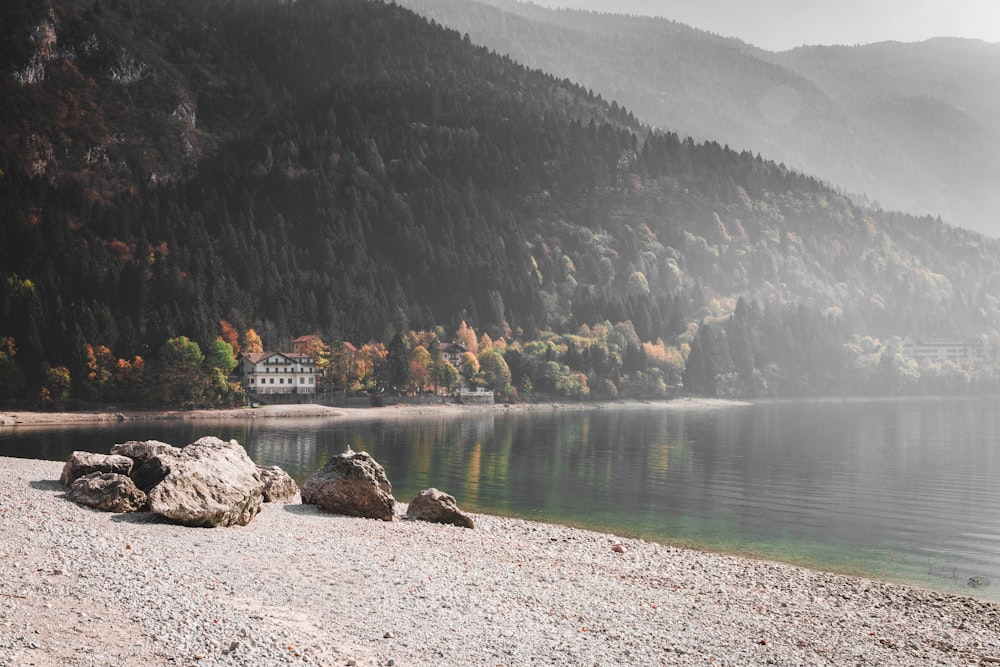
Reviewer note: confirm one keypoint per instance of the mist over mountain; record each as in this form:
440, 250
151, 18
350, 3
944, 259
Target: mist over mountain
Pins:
937, 103
912, 127
354, 170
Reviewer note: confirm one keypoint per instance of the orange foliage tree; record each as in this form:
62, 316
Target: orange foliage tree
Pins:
229, 334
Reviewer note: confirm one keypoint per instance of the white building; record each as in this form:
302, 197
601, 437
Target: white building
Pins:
942, 349
278, 373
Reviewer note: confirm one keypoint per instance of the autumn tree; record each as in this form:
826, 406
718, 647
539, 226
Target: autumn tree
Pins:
57, 385
342, 366
466, 336
322, 354
485, 345
445, 375
371, 367
100, 369
469, 366
668, 360
252, 342
128, 378
495, 372
220, 391
229, 334
421, 367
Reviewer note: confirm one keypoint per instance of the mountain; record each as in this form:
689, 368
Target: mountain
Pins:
912, 127
936, 102
352, 169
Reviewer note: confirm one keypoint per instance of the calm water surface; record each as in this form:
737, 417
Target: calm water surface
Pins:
905, 490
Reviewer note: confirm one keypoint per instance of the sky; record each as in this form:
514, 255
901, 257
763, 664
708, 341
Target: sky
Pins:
778, 25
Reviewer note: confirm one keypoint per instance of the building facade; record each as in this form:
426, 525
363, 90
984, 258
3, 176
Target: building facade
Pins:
301, 344
951, 349
453, 353
277, 373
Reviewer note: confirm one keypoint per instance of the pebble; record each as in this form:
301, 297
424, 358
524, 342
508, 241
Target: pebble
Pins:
509, 591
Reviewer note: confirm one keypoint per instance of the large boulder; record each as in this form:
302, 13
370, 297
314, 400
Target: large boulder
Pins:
279, 487
141, 451
107, 491
148, 470
437, 507
208, 483
352, 483
83, 463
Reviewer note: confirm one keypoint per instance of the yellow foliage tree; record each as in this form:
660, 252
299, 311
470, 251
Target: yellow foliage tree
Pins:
466, 335
252, 342
420, 367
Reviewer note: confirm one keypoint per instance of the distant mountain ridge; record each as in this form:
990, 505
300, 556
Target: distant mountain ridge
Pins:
913, 127
937, 102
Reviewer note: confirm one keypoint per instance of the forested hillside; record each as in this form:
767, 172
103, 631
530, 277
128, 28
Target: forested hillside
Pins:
174, 172
910, 126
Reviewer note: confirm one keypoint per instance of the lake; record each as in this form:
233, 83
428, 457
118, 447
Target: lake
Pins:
895, 489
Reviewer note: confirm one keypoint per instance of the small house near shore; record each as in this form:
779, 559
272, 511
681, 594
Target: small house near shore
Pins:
301, 344
453, 353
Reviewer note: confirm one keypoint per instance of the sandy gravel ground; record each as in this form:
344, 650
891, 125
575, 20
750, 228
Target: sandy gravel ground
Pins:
80, 587
25, 418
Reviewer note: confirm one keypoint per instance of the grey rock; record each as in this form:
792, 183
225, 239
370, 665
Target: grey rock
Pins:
151, 472
107, 491
279, 487
209, 483
351, 483
141, 451
148, 470
83, 463
437, 507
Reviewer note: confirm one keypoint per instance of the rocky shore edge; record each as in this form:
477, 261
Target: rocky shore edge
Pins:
296, 585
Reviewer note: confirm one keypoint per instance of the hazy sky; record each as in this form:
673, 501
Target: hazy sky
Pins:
784, 24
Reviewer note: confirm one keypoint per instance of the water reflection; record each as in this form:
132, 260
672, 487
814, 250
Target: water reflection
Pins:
900, 489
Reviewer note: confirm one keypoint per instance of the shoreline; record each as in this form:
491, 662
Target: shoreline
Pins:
15, 418
311, 410
299, 585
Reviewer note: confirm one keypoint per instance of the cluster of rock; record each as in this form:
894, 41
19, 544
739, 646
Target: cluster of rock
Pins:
207, 483
215, 483
355, 484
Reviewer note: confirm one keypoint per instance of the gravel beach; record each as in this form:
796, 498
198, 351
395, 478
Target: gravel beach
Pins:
27, 419
82, 587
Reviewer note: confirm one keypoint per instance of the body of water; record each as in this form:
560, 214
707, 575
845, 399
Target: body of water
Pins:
904, 490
